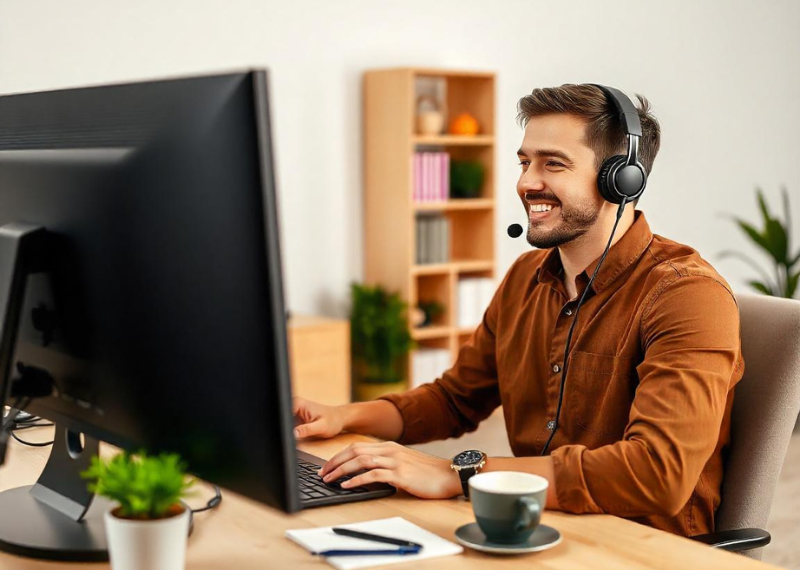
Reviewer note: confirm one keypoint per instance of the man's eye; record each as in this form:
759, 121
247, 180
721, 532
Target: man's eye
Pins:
554, 163
525, 163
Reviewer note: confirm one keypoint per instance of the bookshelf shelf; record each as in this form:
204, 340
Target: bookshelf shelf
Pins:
453, 267
452, 140
465, 248
456, 204
431, 332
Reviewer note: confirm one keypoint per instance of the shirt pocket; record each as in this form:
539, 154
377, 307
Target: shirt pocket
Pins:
600, 390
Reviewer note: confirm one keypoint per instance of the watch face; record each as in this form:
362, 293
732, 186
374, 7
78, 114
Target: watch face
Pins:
471, 457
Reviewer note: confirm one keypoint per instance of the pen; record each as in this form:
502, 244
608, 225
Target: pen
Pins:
375, 537
402, 550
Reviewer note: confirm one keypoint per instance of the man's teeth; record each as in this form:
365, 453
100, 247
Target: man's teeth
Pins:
541, 207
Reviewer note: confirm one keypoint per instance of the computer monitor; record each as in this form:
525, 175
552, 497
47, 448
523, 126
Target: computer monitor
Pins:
140, 272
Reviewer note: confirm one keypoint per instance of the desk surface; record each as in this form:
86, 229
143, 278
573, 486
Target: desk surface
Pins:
243, 534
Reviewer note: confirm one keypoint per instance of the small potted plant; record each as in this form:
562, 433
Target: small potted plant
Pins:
149, 527
466, 178
380, 341
431, 311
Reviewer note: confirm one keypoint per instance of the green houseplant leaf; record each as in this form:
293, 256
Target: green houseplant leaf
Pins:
760, 287
146, 487
775, 241
791, 285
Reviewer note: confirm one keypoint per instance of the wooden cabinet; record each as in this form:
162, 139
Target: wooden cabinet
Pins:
392, 208
319, 357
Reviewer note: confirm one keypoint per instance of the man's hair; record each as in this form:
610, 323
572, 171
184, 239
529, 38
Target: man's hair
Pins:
605, 134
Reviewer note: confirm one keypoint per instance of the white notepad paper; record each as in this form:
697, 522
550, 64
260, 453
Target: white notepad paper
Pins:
323, 538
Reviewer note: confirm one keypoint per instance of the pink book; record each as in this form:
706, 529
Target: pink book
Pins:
440, 169
423, 162
428, 178
447, 176
435, 170
417, 177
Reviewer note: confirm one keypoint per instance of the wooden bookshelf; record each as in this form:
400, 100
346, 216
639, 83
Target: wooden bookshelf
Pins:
390, 141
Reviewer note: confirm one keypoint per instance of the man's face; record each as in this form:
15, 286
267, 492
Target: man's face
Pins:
558, 182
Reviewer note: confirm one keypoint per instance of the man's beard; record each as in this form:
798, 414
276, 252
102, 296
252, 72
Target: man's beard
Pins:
574, 222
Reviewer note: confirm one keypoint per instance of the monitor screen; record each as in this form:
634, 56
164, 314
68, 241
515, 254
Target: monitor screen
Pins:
158, 311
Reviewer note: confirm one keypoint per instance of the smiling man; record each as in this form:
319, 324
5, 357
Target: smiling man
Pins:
653, 360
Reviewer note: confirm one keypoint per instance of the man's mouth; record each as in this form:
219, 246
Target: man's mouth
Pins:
540, 210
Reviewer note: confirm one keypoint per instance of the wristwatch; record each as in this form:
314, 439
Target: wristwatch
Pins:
466, 464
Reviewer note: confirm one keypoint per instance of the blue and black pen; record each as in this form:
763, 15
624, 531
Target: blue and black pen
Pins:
404, 546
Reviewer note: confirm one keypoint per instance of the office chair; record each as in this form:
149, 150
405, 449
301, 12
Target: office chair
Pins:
766, 404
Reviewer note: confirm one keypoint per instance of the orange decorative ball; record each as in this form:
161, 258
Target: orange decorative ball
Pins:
464, 124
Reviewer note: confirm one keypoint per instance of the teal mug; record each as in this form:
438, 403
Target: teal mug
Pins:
508, 505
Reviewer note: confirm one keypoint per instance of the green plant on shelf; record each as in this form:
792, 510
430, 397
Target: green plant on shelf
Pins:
774, 239
466, 178
432, 311
379, 334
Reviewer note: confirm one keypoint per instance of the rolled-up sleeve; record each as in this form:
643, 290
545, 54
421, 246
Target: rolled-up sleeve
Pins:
691, 345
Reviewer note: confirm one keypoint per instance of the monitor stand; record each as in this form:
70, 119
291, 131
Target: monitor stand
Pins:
53, 519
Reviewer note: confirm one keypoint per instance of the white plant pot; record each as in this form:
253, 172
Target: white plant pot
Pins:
147, 545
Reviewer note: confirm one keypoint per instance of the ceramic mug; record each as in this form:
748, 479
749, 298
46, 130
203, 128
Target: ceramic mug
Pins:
508, 505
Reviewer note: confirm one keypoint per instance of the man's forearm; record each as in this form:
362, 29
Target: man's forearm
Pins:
379, 418
542, 466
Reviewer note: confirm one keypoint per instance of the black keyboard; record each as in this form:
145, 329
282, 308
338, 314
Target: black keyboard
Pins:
315, 492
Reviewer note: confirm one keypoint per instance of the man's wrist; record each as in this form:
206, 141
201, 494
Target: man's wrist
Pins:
454, 486
378, 418
350, 417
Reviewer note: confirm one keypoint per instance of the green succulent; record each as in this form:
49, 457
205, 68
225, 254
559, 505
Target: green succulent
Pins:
775, 241
144, 486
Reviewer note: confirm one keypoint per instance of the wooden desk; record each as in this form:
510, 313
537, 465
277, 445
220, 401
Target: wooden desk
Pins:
244, 535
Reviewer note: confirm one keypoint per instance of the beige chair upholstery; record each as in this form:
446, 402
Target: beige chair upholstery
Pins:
765, 410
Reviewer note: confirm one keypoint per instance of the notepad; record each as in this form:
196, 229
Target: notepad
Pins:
323, 538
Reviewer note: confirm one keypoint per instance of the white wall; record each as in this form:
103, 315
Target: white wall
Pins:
722, 77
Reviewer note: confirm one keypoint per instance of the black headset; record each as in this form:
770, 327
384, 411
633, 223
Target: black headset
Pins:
623, 177
621, 180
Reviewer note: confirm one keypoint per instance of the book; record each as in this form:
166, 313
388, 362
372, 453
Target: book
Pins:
428, 364
473, 297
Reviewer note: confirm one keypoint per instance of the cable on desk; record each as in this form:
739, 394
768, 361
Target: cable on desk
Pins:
30, 443
213, 503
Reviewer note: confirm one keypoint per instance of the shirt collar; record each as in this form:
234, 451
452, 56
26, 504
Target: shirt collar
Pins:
621, 255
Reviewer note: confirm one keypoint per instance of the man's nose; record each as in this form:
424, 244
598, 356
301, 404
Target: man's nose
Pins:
530, 180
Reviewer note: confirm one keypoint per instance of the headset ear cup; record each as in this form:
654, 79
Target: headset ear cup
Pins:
605, 183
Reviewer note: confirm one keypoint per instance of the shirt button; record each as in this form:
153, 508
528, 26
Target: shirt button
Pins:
568, 312
551, 425
556, 368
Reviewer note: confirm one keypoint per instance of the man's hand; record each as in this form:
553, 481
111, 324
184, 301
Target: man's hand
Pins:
316, 420
417, 473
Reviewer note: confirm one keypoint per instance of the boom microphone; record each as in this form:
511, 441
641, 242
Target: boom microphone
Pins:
515, 230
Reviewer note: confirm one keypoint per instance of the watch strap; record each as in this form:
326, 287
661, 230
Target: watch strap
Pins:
465, 473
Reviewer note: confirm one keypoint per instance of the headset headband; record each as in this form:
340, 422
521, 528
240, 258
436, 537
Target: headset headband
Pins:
627, 112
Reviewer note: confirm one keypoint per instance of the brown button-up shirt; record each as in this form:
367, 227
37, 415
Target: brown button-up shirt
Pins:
653, 362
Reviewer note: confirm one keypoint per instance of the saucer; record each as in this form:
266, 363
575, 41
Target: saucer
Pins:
471, 536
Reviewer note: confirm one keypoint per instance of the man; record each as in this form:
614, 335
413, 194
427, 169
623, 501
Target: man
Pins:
654, 356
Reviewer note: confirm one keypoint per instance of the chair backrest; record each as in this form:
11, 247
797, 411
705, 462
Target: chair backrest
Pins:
766, 404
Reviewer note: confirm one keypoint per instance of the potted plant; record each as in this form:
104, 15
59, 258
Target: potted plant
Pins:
466, 178
380, 341
149, 527
431, 311
774, 240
